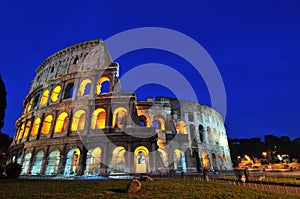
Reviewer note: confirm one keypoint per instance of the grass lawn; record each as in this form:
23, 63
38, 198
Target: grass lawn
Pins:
160, 188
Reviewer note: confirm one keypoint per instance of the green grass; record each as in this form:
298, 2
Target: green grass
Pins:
160, 188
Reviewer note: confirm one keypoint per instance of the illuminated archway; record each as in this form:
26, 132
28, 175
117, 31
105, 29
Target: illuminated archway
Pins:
55, 94
102, 85
61, 123
181, 127
141, 159
205, 160
27, 129
44, 98
98, 119
53, 162
179, 160
26, 163
120, 117
159, 122
93, 161
37, 164
84, 88
29, 105
21, 130
78, 121
72, 162
47, 123
118, 160
214, 162
35, 127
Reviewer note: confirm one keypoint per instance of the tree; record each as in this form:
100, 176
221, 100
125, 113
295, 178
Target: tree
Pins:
3, 103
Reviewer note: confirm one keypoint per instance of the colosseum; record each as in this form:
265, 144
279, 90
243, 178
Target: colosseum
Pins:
77, 121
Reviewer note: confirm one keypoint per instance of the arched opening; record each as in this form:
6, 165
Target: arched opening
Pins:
47, 123
85, 88
179, 160
78, 121
196, 160
214, 162
103, 85
216, 135
143, 121
208, 134
53, 163
118, 160
98, 119
205, 160
72, 162
55, 94
201, 133
35, 101
21, 130
61, 123
37, 164
159, 122
181, 127
69, 91
93, 161
76, 60
141, 159
44, 98
26, 163
27, 129
29, 105
120, 118
35, 127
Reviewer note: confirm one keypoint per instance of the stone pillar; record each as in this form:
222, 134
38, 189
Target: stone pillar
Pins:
45, 161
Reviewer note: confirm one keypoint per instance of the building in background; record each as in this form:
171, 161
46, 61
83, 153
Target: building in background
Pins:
78, 121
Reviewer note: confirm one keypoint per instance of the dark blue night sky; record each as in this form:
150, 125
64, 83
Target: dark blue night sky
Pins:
255, 45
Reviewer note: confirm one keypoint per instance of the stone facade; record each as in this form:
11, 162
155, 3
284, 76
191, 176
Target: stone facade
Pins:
78, 121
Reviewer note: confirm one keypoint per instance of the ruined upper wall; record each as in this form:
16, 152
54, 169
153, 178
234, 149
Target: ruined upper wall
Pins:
83, 56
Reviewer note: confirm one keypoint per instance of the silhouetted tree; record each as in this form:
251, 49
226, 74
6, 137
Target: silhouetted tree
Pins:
3, 103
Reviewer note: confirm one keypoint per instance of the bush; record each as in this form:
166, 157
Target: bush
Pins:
13, 170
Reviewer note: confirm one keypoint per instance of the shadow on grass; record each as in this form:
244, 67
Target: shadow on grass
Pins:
118, 190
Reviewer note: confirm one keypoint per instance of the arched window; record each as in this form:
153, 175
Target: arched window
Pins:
61, 123
120, 117
35, 127
201, 133
37, 164
98, 119
103, 85
208, 134
78, 121
85, 87
44, 98
179, 160
21, 130
215, 135
93, 161
47, 125
69, 91
181, 127
72, 162
141, 159
26, 163
118, 159
55, 94
35, 101
29, 105
53, 162
159, 122
27, 128
76, 60
143, 120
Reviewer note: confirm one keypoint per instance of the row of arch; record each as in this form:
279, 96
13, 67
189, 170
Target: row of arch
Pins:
78, 122
54, 163
102, 86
